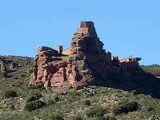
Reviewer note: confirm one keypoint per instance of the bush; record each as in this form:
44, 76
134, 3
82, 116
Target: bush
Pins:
23, 75
112, 118
4, 74
134, 92
56, 99
50, 102
10, 93
125, 107
106, 118
57, 117
150, 109
34, 97
34, 105
96, 111
76, 117
31, 71
87, 102
39, 86
12, 107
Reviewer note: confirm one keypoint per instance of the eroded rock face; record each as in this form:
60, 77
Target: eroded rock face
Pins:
85, 62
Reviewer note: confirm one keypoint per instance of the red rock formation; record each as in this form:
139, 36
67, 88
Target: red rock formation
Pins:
130, 63
85, 62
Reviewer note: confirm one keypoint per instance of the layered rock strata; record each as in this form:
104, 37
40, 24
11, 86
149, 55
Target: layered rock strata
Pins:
85, 62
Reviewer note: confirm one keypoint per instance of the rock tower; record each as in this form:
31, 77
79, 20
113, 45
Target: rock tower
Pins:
84, 63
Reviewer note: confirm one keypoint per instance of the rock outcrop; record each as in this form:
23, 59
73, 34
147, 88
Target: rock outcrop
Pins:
85, 62
3, 69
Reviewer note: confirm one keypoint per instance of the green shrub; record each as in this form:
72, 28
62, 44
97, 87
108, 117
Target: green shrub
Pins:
50, 102
112, 118
96, 111
23, 75
106, 118
56, 99
125, 107
34, 105
4, 74
76, 117
39, 86
134, 92
10, 93
57, 117
150, 109
12, 107
87, 102
34, 97
31, 71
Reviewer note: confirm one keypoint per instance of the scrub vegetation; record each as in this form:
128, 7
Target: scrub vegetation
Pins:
20, 101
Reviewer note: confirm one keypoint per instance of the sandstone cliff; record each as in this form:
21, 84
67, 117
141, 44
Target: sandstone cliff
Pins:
84, 63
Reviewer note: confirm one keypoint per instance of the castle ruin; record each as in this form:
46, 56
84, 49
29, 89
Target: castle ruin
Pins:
85, 62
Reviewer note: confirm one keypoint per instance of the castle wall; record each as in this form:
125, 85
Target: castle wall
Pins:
59, 48
66, 52
88, 24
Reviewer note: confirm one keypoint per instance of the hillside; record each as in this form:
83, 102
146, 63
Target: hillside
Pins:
83, 82
89, 103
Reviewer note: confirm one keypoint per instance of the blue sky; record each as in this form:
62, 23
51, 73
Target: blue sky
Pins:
126, 27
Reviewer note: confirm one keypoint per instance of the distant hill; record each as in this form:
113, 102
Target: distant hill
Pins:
153, 69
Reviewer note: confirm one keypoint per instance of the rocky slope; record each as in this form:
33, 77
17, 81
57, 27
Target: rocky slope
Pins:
74, 104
